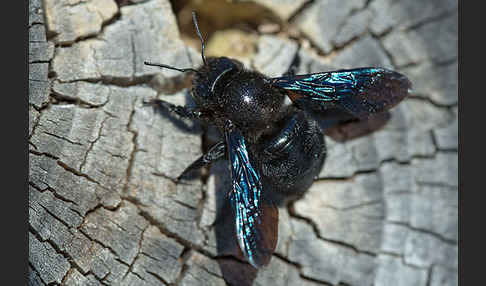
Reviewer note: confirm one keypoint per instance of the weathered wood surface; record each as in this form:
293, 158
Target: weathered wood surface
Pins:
104, 211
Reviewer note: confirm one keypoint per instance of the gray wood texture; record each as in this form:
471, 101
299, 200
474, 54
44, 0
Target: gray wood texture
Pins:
103, 209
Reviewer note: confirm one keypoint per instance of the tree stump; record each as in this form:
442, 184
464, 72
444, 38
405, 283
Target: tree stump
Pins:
103, 205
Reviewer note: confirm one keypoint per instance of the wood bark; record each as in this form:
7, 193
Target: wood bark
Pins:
103, 205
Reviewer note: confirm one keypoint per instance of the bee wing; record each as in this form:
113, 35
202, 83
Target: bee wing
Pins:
256, 219
360, 91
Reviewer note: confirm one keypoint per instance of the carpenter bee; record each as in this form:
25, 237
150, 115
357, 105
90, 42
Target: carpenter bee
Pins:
270, 146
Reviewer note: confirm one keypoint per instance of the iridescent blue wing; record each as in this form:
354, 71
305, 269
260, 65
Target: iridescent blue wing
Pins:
256, 219
360, 91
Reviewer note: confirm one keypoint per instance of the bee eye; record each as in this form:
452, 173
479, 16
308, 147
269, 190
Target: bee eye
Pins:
220, 78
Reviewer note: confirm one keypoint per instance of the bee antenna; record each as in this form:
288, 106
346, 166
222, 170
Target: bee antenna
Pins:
169, 67
194, 19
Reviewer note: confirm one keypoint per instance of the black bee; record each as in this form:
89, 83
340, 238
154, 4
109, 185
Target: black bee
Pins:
272, 147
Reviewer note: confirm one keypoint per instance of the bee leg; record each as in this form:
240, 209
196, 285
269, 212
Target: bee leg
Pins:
291, 71
215, 153
182, 111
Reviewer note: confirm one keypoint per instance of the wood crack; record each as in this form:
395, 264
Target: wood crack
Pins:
56, 248
424, 231
91, 144
299, 269
316, 230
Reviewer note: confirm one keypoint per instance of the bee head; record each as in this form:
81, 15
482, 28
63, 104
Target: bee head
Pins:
212, 78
